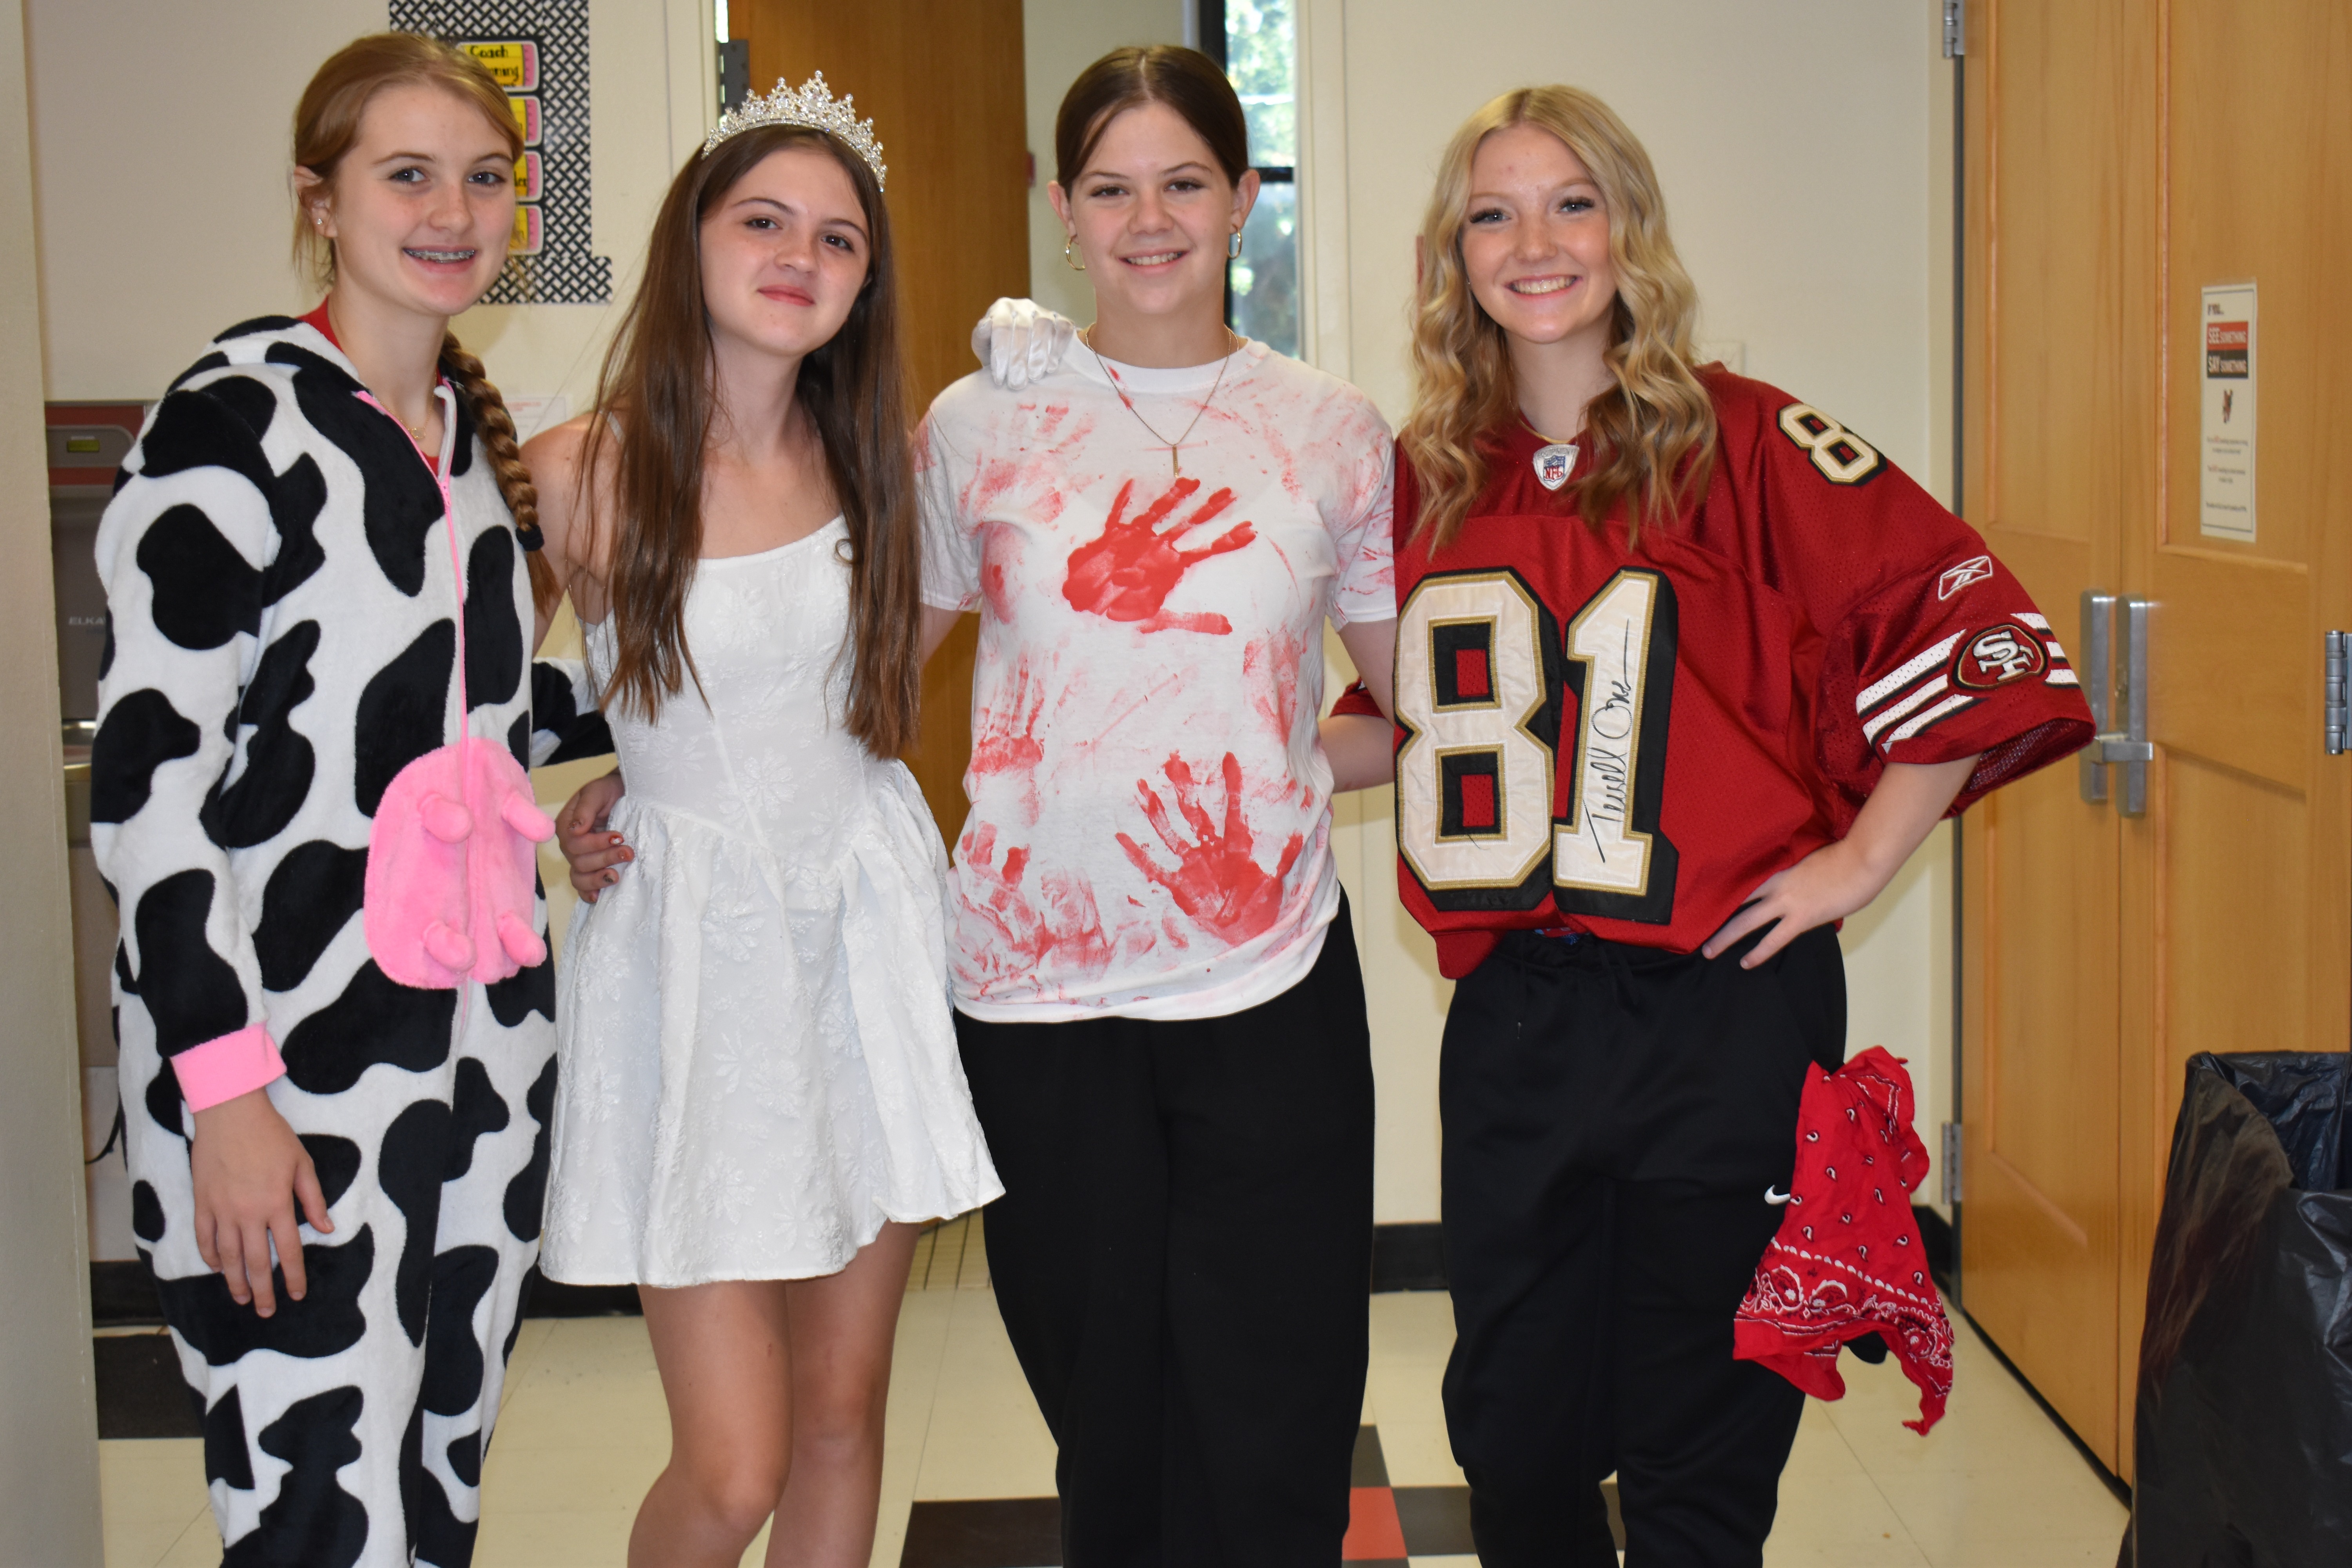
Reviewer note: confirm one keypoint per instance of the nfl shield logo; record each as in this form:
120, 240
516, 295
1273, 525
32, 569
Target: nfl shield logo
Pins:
1552, 464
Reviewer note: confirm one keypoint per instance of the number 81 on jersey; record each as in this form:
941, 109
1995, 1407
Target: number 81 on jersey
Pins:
1484, 677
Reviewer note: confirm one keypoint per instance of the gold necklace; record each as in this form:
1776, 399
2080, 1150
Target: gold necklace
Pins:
1175, 464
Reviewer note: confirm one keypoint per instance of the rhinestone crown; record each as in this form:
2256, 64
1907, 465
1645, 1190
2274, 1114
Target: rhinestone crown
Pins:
811, 104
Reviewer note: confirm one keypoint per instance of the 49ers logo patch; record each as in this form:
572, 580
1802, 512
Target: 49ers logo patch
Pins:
1997, 656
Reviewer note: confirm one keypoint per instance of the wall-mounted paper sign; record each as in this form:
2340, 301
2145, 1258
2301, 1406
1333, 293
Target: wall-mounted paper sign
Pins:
2225, 487
526, 114
512, 63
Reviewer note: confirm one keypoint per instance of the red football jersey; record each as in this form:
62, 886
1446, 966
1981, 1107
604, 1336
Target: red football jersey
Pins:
1627, 742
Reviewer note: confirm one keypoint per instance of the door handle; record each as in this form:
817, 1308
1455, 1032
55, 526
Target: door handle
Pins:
2097, 650
2129, 747
2118, 702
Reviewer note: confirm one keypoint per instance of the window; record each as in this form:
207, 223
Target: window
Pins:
1257, 43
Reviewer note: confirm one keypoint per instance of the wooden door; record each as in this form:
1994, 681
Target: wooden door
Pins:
2122, 155
942, 82
2060, 356
2237, 882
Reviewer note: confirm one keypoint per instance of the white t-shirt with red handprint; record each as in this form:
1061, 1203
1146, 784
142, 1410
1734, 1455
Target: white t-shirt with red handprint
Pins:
1150, 832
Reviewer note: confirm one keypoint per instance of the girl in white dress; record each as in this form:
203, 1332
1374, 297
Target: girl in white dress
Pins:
759, 1096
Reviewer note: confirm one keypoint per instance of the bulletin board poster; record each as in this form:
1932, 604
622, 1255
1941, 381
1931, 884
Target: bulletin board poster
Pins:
2225, 480
538, 51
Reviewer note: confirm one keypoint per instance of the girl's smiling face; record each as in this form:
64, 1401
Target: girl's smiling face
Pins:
420, 208
1535, 239
1151, 216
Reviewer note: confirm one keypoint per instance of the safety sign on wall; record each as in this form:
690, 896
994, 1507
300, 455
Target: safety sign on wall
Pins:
538, 51
2225, 482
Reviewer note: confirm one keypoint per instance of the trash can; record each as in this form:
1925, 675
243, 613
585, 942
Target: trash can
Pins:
2244, 1423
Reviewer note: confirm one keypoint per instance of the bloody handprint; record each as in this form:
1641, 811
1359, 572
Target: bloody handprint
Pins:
1128, 573
1059, 922
1216, 880
1004, 733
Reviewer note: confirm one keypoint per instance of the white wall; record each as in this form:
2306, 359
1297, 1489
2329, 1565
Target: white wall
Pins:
161, 170
48, 1412
1804, 148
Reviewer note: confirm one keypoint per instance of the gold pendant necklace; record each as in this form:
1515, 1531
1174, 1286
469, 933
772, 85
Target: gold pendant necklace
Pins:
1175, 463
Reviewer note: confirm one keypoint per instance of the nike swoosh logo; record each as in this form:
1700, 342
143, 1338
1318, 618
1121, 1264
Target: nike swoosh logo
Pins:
1772, 1197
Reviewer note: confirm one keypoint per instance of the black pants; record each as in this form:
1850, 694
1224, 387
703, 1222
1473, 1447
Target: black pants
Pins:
1614, 1116
1183, 1256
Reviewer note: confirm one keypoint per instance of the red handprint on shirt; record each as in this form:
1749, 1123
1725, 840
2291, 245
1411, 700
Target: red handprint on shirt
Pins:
1216, 880
1004, 733
1128, 573
1060, 923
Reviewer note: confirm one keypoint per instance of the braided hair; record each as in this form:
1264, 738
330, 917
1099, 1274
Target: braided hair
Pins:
497, 432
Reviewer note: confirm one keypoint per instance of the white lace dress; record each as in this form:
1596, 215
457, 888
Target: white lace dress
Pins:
757, 1061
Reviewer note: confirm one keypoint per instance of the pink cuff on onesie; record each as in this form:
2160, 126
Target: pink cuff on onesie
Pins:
223, 1068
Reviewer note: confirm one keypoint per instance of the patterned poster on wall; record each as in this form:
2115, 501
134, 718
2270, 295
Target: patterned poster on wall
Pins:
538, 51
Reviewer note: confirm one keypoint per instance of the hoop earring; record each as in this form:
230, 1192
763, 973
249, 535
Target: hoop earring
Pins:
1234, 245
1073, 264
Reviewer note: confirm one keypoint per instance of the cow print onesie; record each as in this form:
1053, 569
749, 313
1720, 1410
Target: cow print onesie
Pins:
284, 637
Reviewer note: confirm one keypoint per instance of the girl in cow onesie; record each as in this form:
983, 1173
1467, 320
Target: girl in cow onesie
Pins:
309, 797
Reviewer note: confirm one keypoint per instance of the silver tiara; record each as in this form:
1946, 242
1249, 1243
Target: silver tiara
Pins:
811, 104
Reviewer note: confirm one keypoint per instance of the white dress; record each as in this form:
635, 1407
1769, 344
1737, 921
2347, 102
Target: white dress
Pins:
757, 1062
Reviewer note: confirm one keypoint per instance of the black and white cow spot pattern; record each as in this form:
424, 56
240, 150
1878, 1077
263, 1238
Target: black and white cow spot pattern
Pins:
253, 804
316, 1438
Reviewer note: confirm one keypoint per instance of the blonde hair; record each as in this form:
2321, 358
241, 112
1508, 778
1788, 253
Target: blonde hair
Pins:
326, 126
1652, 437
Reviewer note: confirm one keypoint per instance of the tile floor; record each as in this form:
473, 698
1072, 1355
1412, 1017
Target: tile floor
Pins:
582, 1432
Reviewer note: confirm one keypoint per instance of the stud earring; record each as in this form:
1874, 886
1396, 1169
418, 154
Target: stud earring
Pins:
1234, 245
1073, 264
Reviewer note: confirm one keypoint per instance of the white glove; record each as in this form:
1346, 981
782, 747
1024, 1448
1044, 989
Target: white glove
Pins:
1020, 342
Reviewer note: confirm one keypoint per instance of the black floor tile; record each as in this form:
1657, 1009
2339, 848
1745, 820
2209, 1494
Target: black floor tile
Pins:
1370, 1467
543, 1297
139, 1393
1435, 1519
1408, 1258
988, 1533
122, 1294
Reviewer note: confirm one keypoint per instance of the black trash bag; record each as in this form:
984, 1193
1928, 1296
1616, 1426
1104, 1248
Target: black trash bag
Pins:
2245, 1418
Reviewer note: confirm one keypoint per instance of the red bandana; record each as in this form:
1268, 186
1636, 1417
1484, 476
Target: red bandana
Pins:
1848, 1261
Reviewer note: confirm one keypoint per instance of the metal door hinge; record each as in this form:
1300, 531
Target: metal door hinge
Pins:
1955, 28
2335, 708
1951, 1163
734, 72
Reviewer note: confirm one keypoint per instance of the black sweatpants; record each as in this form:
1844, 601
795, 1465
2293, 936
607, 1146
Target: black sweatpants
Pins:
1183, 1256
1614, 1116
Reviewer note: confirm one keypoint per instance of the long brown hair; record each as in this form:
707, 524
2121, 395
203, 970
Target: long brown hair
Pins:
1651, 437
326, 124
656, 382
1186, 81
